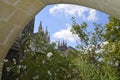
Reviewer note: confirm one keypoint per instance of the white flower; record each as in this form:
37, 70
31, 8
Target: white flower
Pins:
100, 59
116, 63
36, 77
5, 60
55, 73
29, 34
32, 46
19, 66
8, 69
93, 46
105, 43
21, 60
43, 61
24, 67
99, 51
25, 51
111, 29
118, 27
101, 45
49, 73
14, 60
90, 48
49, 54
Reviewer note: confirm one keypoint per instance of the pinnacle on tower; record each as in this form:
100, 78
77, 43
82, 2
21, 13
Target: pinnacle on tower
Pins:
46, 31
49, 37
63, 43
58, 43
40, 26
66, 43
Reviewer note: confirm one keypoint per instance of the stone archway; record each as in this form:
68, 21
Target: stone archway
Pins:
15, 14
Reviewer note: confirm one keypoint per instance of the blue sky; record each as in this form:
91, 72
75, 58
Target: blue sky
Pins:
57, 18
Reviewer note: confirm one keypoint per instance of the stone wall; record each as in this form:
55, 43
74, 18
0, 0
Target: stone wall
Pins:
17, 50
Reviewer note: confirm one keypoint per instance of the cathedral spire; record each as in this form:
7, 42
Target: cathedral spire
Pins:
61, 43
49, 37
46, 31
40, 27
66, 43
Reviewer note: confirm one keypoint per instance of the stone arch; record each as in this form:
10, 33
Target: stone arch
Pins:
15, 14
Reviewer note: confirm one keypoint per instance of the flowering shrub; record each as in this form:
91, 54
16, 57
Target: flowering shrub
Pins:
41, 62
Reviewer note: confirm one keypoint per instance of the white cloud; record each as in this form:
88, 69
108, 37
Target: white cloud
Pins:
92, 15
74, 10
65, 34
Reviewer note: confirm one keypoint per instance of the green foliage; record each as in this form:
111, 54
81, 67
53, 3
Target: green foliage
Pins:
113, 36
80, 30
113, 30
99, 50
97, 58
41, 61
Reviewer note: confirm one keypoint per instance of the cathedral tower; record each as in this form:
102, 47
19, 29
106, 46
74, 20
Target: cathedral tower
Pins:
46, 34
62, 45
40, 27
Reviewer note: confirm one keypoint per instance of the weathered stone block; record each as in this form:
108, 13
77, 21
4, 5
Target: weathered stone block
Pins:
0, 74
115, 3
6, 10
53, 1
30, 5
15, 32
19, 18
5, 29
1, 65
12, 1
2, 50
108, 8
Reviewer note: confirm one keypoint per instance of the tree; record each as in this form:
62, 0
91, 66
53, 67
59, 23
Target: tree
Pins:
113, 36
95, 60
113, 30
